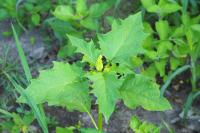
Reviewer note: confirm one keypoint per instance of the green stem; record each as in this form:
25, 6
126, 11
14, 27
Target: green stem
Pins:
21, 26
100, 120
40, 106
92, 119
193, 72
17, 18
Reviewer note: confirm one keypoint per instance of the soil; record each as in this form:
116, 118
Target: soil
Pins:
40, 55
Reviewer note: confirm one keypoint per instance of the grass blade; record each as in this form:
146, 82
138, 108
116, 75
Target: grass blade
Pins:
117, 4
171, 77
41, 120
192, 96
38, 110
185, 5
22, 56
6, 113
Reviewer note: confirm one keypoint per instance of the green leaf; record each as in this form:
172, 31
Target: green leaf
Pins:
163, 7
29, 6
90, 23
163, 48
98, 9
174, 63
64, 13
151, 54
3, 14
139, 90
90, 130
124, 40
65, 51
186, 20
179, 32
162, 27
170, 8
65, 130
81, 7
148, 3
196, 27
154, 9
135, 123
150, 71
35, 18
106, 89
160, 66
143, 127
88, 49
60, 28
63, 85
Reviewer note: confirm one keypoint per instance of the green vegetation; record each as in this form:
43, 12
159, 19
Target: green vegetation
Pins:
122, 63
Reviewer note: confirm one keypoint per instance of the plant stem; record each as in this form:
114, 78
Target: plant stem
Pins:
41, 108
100, 120
92, 119
193, 72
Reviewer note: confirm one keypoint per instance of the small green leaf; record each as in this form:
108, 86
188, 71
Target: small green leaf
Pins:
151, 71
162, 27
196, 27
98, 9
28, 6
90, 23
163, 49
81, 7
154, 9
135, 123
88, 49
179, 32
139, 90
64, 13
151, 54
186, 20
143, 127
148, 3
170, 8
174, 63
160, 66
162, 8
35, 18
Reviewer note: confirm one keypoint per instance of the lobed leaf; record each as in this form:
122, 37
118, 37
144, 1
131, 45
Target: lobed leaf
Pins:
63, 85
106, 89
124, 40
139, 90
88, 49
